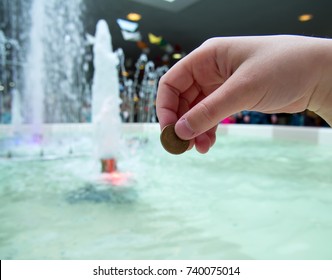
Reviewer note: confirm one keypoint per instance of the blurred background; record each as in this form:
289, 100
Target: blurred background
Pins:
152, 36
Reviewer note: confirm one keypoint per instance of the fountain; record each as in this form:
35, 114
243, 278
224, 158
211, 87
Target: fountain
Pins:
34, 71
55, 89
105, 95
106, 106
46, 53
16, 113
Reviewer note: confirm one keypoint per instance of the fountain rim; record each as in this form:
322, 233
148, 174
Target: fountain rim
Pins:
313, 135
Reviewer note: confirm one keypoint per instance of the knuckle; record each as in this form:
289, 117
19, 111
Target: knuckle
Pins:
162, 79
206, 112
211, 41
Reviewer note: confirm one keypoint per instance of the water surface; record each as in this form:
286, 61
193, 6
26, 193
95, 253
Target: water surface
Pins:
245, 199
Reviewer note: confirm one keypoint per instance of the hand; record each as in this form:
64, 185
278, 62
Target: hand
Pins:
269, 74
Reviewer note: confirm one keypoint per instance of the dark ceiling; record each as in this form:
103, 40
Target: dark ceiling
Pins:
203, 19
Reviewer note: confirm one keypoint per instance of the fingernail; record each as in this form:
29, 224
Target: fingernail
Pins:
183, 129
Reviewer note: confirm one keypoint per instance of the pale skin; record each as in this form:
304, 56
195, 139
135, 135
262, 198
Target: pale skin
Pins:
268, 74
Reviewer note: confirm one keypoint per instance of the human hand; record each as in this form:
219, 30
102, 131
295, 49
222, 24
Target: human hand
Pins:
268, 74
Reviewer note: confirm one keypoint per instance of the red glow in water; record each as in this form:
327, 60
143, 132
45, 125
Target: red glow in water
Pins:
116, 178
110, 174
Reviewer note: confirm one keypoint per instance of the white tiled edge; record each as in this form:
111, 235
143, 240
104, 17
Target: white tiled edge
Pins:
320, 136
325, 136
261, 131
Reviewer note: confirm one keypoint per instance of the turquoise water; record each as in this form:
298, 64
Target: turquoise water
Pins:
245, 199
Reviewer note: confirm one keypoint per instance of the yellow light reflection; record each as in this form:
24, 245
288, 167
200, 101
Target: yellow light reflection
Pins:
134, 16
177, 56
305, 17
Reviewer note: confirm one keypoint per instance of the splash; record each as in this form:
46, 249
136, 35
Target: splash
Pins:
34, 72
105, 95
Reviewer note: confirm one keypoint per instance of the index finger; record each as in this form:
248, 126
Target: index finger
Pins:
175, 92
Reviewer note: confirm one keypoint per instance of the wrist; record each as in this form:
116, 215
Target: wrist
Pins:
321, 98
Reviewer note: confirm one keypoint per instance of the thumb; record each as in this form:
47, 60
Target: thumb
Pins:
235, 95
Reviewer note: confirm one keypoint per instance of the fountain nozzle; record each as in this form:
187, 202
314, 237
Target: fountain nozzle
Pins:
108, 165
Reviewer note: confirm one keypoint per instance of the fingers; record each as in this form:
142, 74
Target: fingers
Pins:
238, 93
177, 92
206, 140
184, 96
167, 105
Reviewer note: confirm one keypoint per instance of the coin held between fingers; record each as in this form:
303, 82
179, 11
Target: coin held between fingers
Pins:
171, 142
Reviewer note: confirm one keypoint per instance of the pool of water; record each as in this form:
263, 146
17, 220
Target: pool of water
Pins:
245, 199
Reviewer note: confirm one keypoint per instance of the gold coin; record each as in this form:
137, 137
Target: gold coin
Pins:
171, 142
